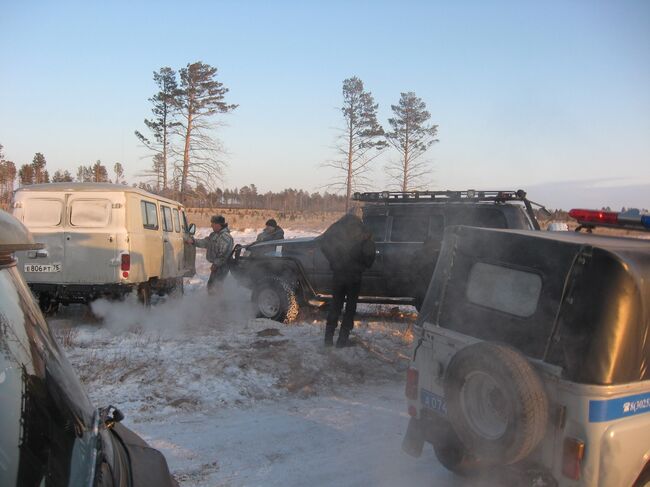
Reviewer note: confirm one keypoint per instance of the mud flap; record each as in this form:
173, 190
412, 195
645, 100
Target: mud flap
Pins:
414, 439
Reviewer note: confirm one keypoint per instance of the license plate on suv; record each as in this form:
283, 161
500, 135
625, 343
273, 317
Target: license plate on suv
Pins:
43, 267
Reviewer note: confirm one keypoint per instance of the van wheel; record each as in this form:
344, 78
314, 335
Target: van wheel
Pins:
178, 289
48, 304
276, 299
144, 294
496, 403
451, 453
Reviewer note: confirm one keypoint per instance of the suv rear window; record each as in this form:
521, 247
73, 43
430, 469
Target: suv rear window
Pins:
505, 289
43, 212
90, 213
409, 228
149, 215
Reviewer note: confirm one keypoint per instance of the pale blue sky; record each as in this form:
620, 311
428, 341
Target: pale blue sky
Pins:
526, 94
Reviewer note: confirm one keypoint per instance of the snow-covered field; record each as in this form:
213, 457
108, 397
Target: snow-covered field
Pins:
235, 400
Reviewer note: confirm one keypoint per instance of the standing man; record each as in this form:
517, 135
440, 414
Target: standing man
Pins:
272, 231
350, 249
218, 245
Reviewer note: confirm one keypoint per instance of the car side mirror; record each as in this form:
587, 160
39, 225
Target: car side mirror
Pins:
192, 229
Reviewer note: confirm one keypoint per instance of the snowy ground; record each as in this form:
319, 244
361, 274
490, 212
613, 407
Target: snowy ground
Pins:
234, 400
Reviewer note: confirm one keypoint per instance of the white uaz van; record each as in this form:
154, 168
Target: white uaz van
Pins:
102, 240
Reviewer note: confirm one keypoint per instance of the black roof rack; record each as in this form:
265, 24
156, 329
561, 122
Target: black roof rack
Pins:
441, 196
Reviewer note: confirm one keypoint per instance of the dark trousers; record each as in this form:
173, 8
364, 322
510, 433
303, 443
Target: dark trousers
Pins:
216, 279
346, 289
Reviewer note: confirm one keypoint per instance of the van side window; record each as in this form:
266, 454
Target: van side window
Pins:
168, 226
149, 215
186, 227
90, 213
177, 221
42, 212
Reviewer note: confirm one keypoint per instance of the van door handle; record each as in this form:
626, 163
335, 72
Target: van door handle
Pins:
110, 238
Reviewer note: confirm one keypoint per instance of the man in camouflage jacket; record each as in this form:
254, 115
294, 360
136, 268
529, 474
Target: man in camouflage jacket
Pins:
218, 245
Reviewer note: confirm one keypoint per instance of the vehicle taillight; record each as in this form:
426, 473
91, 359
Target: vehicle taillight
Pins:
412, 378
126, 262
595, 216
572, 455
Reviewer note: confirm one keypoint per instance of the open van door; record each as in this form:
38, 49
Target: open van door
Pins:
189, 250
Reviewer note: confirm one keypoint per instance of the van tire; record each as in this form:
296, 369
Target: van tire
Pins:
274, 298
496, 403
144, 294
48, 304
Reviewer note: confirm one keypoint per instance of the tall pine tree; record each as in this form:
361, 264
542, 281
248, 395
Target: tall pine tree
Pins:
164, 109
201, 97
411, 137
360, 141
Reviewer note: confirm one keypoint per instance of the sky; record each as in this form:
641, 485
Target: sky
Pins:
552, 97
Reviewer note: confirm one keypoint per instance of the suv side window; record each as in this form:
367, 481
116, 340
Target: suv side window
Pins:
168, 225
409, 228
149, 215
481, 217
377, 225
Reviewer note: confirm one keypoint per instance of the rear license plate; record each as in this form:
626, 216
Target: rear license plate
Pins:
43, 267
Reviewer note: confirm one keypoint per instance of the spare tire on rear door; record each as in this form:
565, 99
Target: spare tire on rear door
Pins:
496, 403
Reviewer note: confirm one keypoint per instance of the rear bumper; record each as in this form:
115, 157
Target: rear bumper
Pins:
81, 293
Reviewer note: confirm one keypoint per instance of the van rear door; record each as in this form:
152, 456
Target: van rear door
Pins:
91, 237
43, 214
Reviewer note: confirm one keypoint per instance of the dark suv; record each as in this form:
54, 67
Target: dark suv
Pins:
50, 434
407, 228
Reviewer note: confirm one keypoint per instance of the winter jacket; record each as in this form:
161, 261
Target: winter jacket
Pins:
219, 246
348, 246
277, 234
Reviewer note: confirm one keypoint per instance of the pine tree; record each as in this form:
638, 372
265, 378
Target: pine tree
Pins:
412, 137
165, 104
62, 176
119, 173
40, 173
99, 173
7, 177
201, 97
26, 175
360, 141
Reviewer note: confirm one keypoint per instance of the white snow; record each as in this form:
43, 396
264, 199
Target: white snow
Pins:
235, 400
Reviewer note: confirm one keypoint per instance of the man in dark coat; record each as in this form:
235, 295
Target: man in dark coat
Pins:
350, 249
272, 231
218, 245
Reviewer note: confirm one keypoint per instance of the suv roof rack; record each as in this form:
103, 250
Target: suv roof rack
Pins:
420, 196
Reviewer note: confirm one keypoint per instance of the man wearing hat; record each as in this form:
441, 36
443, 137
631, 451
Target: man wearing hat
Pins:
218, 245
272, 231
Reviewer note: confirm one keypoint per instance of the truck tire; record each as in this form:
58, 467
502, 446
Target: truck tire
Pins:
276, 299
496, 403
451, 453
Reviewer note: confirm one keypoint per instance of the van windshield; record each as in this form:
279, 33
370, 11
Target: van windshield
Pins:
42, 212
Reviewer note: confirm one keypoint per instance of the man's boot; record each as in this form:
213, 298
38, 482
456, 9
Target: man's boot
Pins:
329, 335
343, 340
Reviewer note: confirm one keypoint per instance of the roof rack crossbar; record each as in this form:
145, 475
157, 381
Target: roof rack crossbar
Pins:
419, 196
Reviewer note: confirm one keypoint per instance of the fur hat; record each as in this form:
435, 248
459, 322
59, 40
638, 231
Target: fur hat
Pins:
218, 219
272, 223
